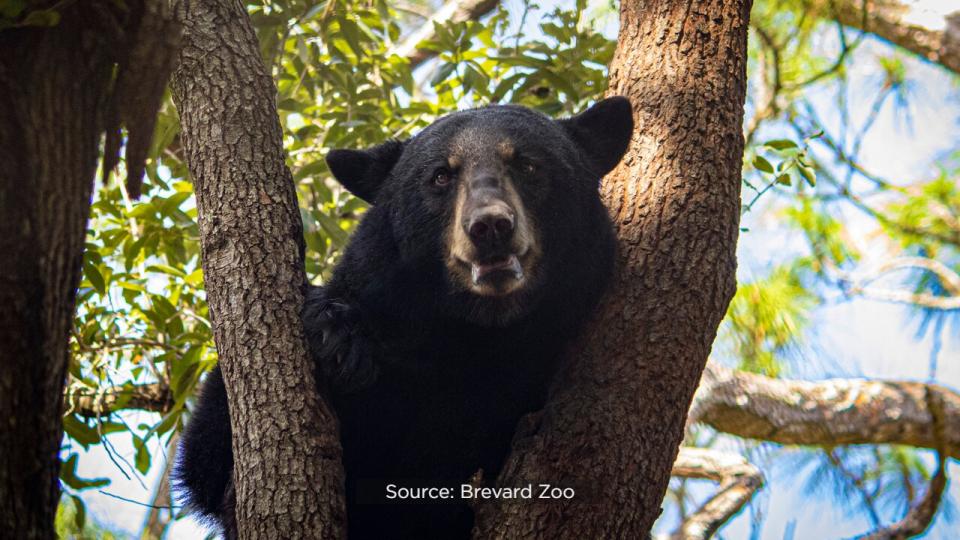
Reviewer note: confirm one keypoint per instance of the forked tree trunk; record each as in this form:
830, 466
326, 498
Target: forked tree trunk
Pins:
287, 471
616, 414
53, 85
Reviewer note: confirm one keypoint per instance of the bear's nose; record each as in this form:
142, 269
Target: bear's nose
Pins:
491, 227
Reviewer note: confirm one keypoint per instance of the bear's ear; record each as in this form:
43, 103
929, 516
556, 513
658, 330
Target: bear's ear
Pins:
602, 132
362, 172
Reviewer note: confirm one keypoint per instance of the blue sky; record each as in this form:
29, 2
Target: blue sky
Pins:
852, 338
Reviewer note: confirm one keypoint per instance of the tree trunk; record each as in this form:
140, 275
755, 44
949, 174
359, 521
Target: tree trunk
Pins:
287, 470
615, 418
53, 83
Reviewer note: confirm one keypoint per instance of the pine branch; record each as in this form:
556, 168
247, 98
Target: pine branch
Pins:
825, 413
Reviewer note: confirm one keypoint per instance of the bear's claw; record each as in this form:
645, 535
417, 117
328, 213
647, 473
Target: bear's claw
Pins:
344, 357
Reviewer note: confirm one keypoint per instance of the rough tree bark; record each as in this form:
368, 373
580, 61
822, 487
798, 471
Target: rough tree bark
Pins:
56, 98
52, 81
616, 415
285, 442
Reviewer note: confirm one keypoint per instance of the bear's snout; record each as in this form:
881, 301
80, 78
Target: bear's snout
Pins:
491, 242
490, 227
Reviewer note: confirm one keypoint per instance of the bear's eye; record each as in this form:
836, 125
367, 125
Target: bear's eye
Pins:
442, 177
528, 168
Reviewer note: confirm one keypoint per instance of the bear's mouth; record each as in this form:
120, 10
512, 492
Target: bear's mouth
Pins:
496, 276
508, 266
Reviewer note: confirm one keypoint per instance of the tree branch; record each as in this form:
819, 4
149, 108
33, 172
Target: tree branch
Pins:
948, 278
155, 397
738, 479
906, 297
451, 11
822, 413
919, 518
919, 27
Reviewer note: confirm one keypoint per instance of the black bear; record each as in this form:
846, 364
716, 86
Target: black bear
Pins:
485, 250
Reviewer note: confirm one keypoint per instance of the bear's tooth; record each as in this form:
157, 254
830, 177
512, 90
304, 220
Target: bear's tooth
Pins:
517, 269
475, 273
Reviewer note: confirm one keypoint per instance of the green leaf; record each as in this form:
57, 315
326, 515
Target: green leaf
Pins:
761, 164
143, 210
136, 287
173, 202
42, 17
93, 275
329, 225
142, 457
11, 9
165, 269
781, 144
68, 475
784, 179
350, 32
80, 431
163, 305
195, 278
131, 251
169, 421
80, 512
442, 73
809, 174
313, 168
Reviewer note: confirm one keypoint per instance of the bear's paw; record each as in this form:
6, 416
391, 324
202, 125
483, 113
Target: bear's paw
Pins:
344, 355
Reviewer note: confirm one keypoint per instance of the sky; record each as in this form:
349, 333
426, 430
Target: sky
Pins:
854, 338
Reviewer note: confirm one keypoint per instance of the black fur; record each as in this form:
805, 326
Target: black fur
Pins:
428, 379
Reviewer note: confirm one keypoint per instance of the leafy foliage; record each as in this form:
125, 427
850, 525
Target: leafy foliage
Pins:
766, 318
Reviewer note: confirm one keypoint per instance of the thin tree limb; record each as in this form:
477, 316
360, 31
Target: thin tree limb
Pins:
769, 91
948, 278
919, 518
738, 480
906, 297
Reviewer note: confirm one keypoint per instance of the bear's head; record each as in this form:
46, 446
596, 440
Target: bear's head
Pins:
501, 200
